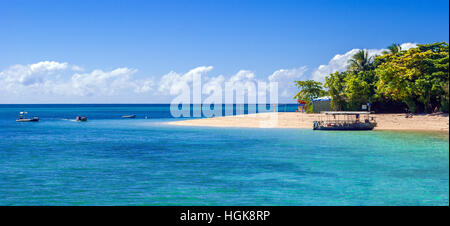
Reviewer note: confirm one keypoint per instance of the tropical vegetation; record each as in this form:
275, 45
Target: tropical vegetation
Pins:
416, 80
309, 90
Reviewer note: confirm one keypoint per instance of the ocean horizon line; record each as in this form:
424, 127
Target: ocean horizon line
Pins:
131, 104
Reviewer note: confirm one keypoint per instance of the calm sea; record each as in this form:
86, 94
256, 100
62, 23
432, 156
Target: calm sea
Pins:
113, 161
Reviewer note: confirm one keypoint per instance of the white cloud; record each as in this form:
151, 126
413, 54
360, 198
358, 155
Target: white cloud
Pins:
100, 82
49, 79
243, 81
47, 66
242, 76
145, 86
30, 74
286, 78
408, 45
77, 68
212, 84
340, 61
173, 82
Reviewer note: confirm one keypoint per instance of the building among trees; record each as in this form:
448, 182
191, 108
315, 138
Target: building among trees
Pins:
322, 104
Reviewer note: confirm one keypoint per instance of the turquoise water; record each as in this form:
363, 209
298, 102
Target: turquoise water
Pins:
114, 161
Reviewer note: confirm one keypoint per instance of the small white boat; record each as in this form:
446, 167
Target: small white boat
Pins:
128, 116
23, 118
34, 119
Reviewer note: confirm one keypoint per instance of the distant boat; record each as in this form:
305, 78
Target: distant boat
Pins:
128, 116
23, 118
81, 118
34, 119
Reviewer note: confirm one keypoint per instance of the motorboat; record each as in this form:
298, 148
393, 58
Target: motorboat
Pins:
34, 119
23, 118
81, 118
128, 116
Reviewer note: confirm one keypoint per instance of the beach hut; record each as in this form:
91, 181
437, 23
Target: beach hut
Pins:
322, 104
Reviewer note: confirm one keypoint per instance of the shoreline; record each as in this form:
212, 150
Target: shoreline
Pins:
391, 122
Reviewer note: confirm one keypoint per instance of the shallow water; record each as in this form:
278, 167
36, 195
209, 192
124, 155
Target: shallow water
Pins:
114, 161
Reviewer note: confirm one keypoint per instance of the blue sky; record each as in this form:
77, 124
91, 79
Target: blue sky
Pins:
153, 38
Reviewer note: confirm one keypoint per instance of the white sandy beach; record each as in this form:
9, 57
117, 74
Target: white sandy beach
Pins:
300, 120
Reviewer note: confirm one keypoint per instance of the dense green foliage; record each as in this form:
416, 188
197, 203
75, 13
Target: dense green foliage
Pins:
309, 90
360, 62
417, 79
393, 49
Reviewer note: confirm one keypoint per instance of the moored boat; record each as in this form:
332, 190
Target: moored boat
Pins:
345, 120
128, 116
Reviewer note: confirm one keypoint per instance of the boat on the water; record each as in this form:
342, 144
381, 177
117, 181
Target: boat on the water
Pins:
128, 116
34, 119
345, 120
81, 118
23, 118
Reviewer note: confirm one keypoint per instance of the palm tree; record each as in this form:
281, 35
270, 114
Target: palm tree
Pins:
393, 49
360, 61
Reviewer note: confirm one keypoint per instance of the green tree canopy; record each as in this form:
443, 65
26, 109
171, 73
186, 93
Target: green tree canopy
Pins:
393, 49
417, 76
360, 61
309, 90
349, 90
335, 83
